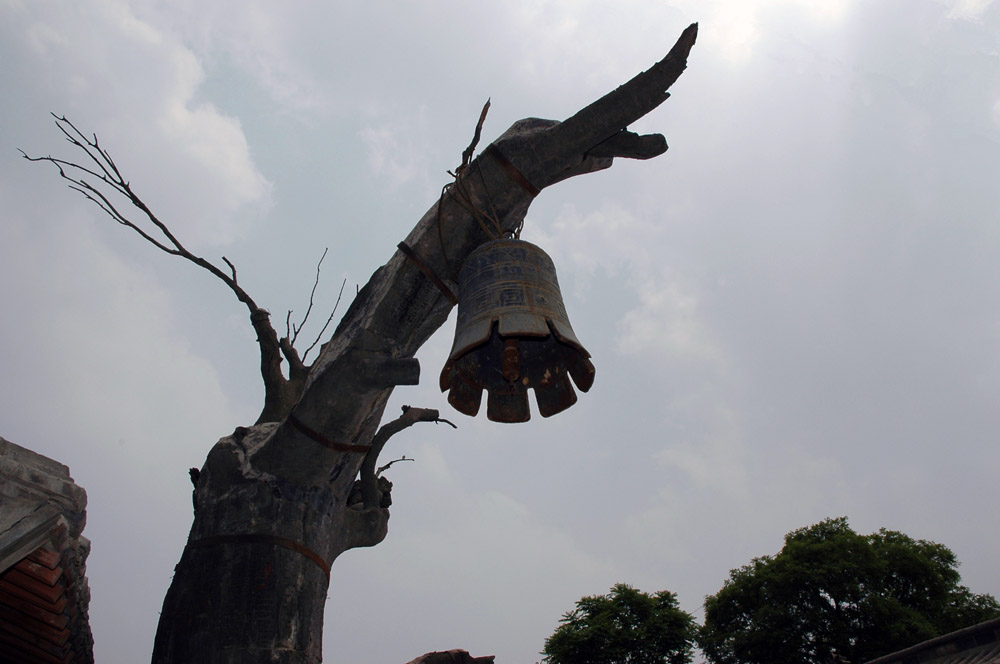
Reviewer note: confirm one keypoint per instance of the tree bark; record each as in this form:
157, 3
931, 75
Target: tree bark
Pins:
276, 503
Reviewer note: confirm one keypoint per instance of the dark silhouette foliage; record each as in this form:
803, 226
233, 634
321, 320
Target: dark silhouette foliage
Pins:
832, 591
625, 626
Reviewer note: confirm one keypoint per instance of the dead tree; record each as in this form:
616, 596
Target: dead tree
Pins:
277, 502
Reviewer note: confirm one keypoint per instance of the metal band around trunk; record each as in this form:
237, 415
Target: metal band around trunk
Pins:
436, 280
261, 538
323, 440
515, 175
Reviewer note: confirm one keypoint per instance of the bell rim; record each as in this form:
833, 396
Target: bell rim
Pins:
554, 331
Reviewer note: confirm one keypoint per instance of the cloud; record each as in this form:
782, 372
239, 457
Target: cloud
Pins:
667, 324
391, 154
734, 32
712, 460
137, 89
263, 41
609, 239
614, 246
967, 9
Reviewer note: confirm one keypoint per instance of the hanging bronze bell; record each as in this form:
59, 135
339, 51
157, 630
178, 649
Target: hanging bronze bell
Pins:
513, 335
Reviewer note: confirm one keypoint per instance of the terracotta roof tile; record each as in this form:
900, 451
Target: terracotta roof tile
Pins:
44, 594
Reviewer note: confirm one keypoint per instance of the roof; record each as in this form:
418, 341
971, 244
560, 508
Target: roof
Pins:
44, 594
979, 644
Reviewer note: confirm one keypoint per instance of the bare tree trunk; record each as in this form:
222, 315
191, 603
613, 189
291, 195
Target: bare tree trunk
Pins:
276, 503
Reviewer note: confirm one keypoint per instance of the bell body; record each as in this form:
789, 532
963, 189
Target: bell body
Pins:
513, 335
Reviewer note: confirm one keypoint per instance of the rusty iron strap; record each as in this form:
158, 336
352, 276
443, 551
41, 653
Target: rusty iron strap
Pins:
323, 440
511, 170
261, 538
436, 280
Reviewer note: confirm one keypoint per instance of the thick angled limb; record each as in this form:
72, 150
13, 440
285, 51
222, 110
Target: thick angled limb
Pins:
618, 109
589, 139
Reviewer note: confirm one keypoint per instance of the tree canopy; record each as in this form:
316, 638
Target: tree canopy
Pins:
830, 590
626, 626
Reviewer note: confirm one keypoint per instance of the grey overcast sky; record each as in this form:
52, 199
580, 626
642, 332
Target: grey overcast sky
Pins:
794, 313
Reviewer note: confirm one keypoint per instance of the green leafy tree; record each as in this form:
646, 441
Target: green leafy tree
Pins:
830, 590
625, 626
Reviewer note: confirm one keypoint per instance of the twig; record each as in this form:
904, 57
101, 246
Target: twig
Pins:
467, 153
327, 323
312, 296
386, 467
232, 268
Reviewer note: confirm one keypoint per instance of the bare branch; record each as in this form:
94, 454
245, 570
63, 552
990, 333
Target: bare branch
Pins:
68, 164
98, 197
327, 323
104, 163
108, 173
312, 295
382, 469
105, 171
410, 416
232, 268
467, 153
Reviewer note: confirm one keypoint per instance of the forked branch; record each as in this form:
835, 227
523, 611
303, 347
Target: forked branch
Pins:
292, 330
100, 181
